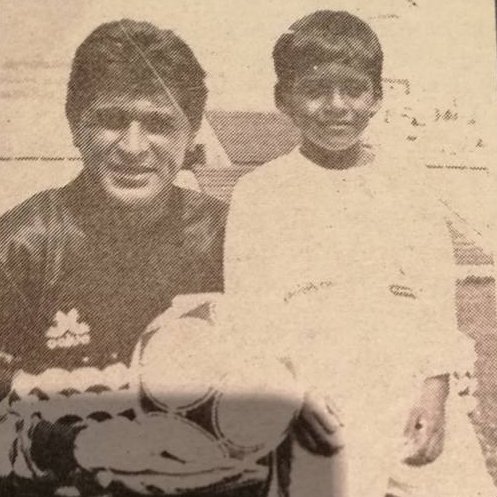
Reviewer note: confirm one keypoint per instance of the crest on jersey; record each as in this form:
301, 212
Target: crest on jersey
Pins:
67, 331
402, 291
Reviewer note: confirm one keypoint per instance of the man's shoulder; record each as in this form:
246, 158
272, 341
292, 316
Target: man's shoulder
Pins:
31, 217
203, 220
199, 206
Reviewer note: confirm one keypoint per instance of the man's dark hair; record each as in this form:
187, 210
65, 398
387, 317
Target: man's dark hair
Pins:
327, 36
136, 57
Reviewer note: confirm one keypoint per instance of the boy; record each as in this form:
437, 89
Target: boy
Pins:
332, 248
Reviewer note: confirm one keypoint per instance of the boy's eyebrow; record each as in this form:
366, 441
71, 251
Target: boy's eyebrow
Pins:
336, 77
325, 82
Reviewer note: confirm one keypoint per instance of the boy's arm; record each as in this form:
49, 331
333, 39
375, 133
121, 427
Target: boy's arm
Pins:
446, 350
250, 242
318, 427
313, 464
239, 255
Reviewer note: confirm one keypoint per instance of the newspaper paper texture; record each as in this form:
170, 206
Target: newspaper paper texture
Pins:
247, 248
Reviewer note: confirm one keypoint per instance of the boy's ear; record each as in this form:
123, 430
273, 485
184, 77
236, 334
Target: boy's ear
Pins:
376, 106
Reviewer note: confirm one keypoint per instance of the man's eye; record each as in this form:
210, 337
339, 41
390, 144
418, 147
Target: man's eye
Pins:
114, 120
158, 125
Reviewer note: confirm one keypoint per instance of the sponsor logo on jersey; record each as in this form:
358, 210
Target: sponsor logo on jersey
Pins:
67, 331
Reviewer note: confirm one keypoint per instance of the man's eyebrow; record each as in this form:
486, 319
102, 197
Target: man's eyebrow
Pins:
161, 81
159, 113
109, 107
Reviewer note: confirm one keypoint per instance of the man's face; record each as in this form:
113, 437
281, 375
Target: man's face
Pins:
331, 104
133, 145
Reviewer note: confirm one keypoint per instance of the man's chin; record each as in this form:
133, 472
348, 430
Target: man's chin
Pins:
134, 198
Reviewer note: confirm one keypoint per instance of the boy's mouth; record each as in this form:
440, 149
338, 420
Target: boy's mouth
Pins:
335, 127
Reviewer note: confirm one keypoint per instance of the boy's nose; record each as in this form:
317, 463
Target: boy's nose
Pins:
134, 140
335, 101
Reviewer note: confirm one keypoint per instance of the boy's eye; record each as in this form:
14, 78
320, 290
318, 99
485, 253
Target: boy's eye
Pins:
350, 89
313, 91
354, 90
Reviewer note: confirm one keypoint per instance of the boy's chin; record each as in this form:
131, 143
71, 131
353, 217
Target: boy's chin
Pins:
334, 146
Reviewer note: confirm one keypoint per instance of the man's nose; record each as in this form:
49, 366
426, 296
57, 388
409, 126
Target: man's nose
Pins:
134, 140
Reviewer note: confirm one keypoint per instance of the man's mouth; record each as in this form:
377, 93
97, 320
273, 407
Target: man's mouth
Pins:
131, 174
130, 168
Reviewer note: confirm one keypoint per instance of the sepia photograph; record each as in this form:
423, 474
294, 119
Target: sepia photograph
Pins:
247, 248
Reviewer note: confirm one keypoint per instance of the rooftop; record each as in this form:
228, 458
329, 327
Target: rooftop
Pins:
253, 137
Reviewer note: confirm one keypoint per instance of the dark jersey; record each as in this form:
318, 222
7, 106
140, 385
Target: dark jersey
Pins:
76, 289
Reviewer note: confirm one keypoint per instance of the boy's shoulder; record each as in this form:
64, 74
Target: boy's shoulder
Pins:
268, 176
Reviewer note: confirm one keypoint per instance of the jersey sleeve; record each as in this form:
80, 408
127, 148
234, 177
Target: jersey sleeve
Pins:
249, 242
252, 282
238, 250
22, 236
22, 268
430, 266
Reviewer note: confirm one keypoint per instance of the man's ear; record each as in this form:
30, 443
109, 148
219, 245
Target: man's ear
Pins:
76, 130
191, 150
191, 143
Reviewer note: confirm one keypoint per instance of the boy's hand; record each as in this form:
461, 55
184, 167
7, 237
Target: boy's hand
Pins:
318, 428
425, 431
425, 428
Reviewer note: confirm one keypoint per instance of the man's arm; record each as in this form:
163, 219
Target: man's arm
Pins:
22, 248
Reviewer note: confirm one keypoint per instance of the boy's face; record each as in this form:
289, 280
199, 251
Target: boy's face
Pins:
133, 145
331, 104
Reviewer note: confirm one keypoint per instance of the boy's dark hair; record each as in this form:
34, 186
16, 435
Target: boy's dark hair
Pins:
137, 57
327, 36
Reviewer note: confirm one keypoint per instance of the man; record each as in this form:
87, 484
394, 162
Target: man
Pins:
84, 268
